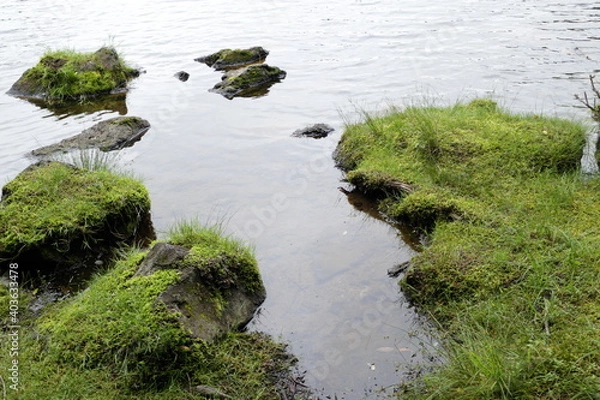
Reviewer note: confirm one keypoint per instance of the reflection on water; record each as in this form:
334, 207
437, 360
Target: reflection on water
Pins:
324, 262
108, 104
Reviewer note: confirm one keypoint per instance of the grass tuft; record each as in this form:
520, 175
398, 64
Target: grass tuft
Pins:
224, 261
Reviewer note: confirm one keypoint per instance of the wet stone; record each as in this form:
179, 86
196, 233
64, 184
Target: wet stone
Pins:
182, 76
112, 134
316, 131
227, 59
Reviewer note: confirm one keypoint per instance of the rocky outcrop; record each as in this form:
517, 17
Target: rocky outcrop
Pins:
66, 76
316, 131
213, 295
227, 59
251, 81
57, 215
112, 134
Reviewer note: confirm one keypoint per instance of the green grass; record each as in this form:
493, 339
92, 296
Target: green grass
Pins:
115, 340
55, 202
66, 75
512, 269
223, 261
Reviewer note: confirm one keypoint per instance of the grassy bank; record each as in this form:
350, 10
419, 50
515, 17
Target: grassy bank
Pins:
512, 268
116, 341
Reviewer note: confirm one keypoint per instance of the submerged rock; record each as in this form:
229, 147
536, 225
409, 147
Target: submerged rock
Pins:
112, 134
316, 131
229, 59
254, 80
58, 215
67, 76
213, 295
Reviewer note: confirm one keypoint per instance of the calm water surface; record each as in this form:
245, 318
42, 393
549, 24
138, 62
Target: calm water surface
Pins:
324, 263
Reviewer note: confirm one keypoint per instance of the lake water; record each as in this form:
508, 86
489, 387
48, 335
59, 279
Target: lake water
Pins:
324, 262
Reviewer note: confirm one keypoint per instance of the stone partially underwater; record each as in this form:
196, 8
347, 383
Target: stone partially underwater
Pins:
245, 74
227, 59
316, 131
251, 81
65, 76
112, 134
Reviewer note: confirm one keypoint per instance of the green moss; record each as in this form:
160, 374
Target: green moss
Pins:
66, 75
115, 340
57, 204
237, 56
117, 324
253, 76
228, 58
513, 260
128, 121
222, 261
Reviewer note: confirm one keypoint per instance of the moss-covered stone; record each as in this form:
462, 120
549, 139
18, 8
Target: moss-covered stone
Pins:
57, 214
251, 81
64, 76
230, 59
219, 286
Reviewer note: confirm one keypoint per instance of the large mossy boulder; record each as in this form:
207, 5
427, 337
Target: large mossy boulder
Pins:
55, 214
112, 134
219, 286
251, 81
65, 76
227, 59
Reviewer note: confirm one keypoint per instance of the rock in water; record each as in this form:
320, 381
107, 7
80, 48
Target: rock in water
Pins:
112, 134
316, 131
229, 59
67, 76
254, 80
182, 76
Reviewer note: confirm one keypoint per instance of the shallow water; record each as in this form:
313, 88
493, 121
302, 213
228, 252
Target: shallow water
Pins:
324, 263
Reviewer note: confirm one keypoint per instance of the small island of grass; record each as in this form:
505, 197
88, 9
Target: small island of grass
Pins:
512, 265
66, 76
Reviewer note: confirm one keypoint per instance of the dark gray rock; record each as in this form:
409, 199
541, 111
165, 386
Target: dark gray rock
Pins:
182, 76
207, 309
230, 59
316, 131
251, 81
112, 134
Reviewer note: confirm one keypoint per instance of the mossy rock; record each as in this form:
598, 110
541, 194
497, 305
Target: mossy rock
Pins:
227, 59
66, 76
252, 81
55, 214
219, 288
